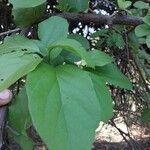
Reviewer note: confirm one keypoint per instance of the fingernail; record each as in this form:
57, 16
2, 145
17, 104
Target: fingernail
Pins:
5, 94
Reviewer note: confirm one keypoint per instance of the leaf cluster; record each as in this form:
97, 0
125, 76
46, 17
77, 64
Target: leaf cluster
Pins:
64, 97
65, 94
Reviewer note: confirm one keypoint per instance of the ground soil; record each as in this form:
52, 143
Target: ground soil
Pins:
108, 137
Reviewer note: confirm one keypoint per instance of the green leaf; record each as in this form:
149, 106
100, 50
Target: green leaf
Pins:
59, 60
104, 97
141, 5
18, 43
19, 120
146, 115
146, 19
134, 42
148, 41
14, 66
110, 41
57, 29
74, 47
24, 142
71, 104
55, 57
26, 3
133, 39
80, 39
41, 46
142, 30
73, 5
102, 32
142, 40
70, 57
100, 58
118, 40
27, 12
24, 17
100, 43
55, 53
115, 39
111, 74
123, 4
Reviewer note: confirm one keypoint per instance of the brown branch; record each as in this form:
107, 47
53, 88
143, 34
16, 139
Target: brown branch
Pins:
10, 31
98, 19
90, 18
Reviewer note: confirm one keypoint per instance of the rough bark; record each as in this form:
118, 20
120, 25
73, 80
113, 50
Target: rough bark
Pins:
99, 19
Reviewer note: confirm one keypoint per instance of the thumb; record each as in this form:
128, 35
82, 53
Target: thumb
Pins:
5, 97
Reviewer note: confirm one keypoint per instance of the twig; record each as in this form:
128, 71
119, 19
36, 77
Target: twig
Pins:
123, 134
10, 31
140, 72
127, 47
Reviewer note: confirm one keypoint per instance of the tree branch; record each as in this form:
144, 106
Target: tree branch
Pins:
98, 19
10, 31
90, 18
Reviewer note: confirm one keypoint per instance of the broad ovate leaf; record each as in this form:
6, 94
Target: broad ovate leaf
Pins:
18, 43
104, 97
28, 11
26, 3
19, 120
80, 39
42, 47
111, 74
24, 142
141, 5
55, 53
66, 105
70, 57
14, 66
142, 30
123, 4
146, 19
73, 5
75, 47
52, 29
100, 58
